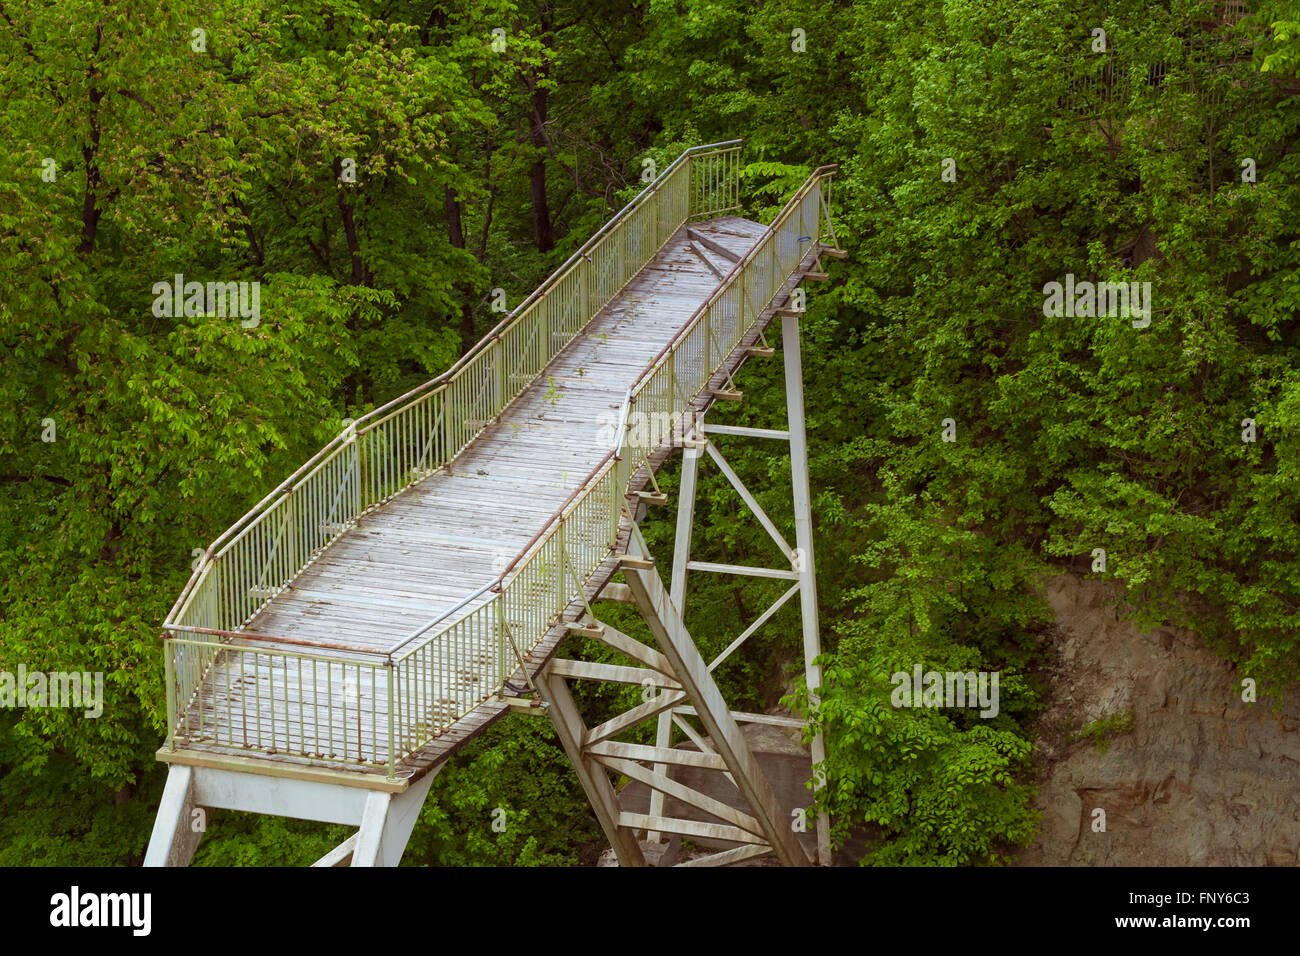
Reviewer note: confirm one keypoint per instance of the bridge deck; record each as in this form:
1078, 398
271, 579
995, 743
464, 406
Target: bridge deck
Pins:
432, 546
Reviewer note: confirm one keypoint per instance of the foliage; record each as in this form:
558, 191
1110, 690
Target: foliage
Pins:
1102, 729
482, 168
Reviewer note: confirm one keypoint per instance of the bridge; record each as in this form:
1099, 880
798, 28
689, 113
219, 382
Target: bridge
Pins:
411, 583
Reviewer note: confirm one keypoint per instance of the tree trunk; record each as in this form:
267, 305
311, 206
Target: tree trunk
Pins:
537, 102
456, 236
537, 175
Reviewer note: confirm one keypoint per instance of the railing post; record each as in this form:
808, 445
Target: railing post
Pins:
222, 608
500, 366
803, 231
733, 199
498, 632
447, 449
740, 282
708, 346
826, 201
559, 569
392, 743
543, 307
170, 671
690, 188
774, 264
584, 271
613, 503
359, 471
656, 203
211, 599
291, 529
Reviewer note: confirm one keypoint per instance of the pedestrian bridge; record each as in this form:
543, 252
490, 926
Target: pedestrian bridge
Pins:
405, 586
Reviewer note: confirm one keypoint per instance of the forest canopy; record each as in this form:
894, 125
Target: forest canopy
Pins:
379, 169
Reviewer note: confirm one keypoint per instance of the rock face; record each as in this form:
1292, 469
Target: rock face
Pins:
1200, 779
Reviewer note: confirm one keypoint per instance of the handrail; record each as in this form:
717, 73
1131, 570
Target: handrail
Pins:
452, 663
817, 174
440, 618
681, 334
482, 344
297, 641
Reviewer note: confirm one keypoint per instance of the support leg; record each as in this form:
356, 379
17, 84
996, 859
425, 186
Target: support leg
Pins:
403, 811
693, 673
804, 545
681, 554
174, 838
600, 793
370, 836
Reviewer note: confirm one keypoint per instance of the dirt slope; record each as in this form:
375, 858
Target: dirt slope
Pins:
1201, 778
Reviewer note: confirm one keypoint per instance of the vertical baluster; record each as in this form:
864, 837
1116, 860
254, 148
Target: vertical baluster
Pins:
270, 686
257, 698
230, 705
713, 183
315, 709
230, 575
245, 578
422, 433
199, 651
320, 505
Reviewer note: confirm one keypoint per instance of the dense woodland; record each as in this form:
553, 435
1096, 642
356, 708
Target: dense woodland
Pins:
483, 164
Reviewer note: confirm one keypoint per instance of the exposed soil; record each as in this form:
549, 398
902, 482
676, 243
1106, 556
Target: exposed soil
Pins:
1186, 772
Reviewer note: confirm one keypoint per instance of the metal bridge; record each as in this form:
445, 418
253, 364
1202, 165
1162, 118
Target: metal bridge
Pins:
411, 582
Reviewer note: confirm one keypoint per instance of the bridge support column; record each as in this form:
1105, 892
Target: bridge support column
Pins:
804, 544
683, 670
691, 670
572, 732
175, 836
386, 823
677, 592
684, 685
802, 572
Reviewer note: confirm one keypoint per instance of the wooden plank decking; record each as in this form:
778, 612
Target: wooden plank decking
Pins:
426, 550
441, 540
430, 547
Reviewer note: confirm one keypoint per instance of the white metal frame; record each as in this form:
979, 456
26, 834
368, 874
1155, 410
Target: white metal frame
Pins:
384, 817
685, 684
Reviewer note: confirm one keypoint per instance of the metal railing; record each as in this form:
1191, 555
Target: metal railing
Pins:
376, 707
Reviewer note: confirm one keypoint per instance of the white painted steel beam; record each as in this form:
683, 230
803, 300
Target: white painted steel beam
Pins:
804, 542
677, 645
600, 793
385, 819
174, 838
743, 569
710, 429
